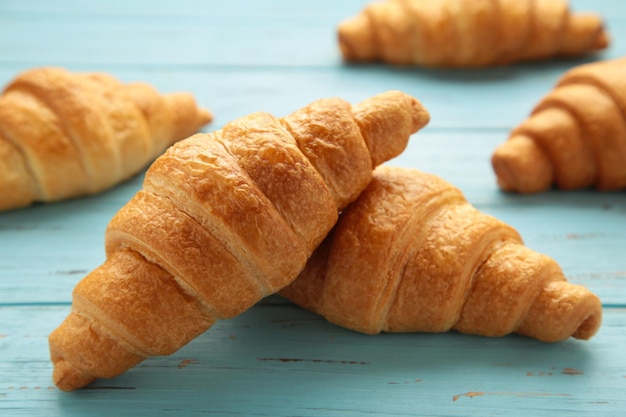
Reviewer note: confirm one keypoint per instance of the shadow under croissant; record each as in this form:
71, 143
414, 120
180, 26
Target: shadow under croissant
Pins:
483, 76
238, 353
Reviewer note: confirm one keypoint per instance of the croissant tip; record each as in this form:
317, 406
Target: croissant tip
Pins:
345, 45
520, 165
591, 324
602, 41
69, 378
421, 116
204, 116
355, 39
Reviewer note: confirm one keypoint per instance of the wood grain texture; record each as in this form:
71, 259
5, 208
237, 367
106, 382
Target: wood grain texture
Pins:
238, 368
276, 56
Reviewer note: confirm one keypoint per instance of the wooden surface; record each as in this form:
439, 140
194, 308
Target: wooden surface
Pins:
275, 359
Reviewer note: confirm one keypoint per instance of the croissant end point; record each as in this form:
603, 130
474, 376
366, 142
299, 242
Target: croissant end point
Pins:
421, 117
69, 378
588, 327
602, 41
520, 165
205, 116
505, 176
354, 36
343, 36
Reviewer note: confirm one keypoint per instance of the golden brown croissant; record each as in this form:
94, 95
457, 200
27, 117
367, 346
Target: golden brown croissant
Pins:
65, 134
575, 137
411, 254
223, 220
468, 33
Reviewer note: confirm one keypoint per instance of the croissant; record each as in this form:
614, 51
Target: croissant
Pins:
468, 33
223, 220
412, 255
65, 134
574, 138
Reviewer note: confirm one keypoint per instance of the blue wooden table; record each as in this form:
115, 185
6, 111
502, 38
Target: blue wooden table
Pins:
275, 359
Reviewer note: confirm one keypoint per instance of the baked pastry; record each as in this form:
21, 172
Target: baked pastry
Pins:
468, 33
412, 255
66, 134
223, 220
574, 138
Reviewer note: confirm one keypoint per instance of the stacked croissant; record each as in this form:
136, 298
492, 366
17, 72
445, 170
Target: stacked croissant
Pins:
227, 218
223, 220
412, 255
303, 206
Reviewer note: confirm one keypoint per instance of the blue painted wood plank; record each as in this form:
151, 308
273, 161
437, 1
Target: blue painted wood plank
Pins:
277, 55
147, 9
283, 361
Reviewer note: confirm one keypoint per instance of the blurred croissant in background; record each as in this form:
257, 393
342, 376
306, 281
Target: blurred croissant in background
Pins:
468, 33
66, 134
574, 138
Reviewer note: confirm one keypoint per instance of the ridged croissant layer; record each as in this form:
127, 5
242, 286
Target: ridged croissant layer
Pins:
574, 138
65, 134
412, 255
468, 33
223, 220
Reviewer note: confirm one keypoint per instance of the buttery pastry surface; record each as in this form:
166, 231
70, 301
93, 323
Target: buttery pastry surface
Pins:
223, 220
412, 255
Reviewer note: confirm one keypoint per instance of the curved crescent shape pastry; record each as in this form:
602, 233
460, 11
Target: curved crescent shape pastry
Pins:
468, 33
223, 220
412, 255
574, 138
65, 134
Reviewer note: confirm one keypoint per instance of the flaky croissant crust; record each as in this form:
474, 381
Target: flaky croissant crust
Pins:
223, 220
412, 255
